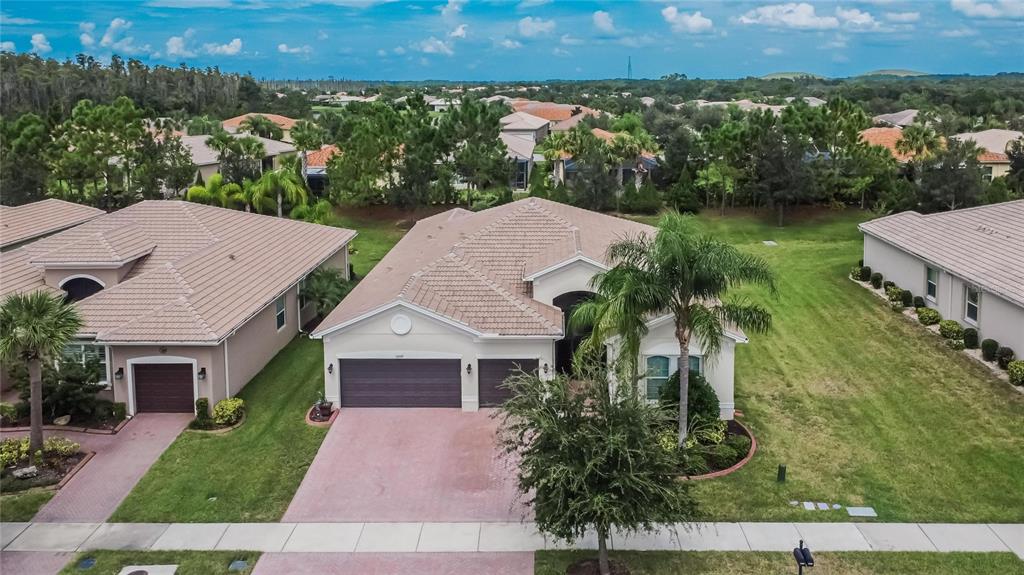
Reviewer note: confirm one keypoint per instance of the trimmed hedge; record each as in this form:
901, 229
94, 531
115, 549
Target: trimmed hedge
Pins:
865, 273
971, 338
907, 298
888, 284
876, 280
928, 316
951, 329
228, 411
1004, 356
989, 347
1016, 369
919, 302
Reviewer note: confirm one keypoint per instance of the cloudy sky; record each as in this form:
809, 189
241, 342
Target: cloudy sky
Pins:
528, 39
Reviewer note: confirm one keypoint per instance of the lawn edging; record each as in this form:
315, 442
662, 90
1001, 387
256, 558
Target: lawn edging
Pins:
736, 466
221, 430
323, 424
52, 427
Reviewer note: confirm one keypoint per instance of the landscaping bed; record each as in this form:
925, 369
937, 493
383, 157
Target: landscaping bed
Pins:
60, 457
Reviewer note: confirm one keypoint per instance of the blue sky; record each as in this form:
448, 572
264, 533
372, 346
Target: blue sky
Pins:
528, 39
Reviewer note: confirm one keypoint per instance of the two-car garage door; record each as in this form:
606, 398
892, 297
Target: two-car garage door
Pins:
421, 382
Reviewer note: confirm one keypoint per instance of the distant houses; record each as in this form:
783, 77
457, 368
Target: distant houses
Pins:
900, 119
993, 143
234, 125
207, 160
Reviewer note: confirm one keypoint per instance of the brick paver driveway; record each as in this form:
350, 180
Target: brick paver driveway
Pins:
395, 563
121, 460
408, 465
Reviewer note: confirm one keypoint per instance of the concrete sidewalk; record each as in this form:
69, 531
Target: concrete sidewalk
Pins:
473, 537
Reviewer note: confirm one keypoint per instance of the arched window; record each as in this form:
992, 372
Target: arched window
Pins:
657, 375
80, 288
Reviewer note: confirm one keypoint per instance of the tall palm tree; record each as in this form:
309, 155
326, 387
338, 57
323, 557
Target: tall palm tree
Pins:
678, 272
35, 327
283, 183
215, 192
307, 136
919, 140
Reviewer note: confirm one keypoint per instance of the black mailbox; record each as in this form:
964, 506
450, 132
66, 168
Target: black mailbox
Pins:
803, 557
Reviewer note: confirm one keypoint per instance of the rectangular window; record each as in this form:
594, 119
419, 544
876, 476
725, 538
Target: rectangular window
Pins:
281, 314
90, 356
657, 375
933, 283
696, 364
973, 301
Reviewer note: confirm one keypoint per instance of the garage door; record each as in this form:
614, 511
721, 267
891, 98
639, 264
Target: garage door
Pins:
163, 387
400, 382
493, 373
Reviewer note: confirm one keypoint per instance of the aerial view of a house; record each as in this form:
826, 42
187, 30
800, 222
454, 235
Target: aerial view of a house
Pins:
29, 222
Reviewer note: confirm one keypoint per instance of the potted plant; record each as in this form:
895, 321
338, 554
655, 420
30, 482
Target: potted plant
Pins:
322, 407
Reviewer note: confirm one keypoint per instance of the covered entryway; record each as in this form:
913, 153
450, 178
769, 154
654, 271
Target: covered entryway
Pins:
400, 382
493, 373
566, 347
163, 387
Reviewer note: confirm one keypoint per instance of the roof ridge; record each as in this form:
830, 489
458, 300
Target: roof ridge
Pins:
188, 211
102, 335
502, 291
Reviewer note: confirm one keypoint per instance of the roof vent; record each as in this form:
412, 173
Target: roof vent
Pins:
231, 257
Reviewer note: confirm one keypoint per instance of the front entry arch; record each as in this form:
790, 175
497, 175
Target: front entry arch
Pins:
567, 346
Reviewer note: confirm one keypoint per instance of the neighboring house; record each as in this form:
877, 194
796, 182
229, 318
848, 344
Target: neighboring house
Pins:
968, 264
284, 122
524, 124
993, 159
208, 162
900, 119
550, 111
634, 170
466, 298
520, 150
809, 100
443, 104
179, 300
316, 167
23, 224
496, 98
744, 105
647, 101
886, 137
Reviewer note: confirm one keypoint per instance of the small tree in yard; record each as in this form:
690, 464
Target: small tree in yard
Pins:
34, 328
589, 457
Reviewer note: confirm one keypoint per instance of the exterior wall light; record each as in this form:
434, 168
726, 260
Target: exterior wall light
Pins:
330, 368
119, 374
546, 369
469, 369
202, 374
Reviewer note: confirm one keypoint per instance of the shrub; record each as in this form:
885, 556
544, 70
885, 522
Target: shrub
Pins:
887, 285
951, 329
955, 344
928, 316
865, 273
119, 411
897, 306
855, 273
860, 262
906, 298
702, 400
1004, 356
989, 347
228, 411
8, 412
69, 389
894, 295
61, 446
15, 450
643, 200
1016, 370
203, 419
971, 338
876, 280
919, 301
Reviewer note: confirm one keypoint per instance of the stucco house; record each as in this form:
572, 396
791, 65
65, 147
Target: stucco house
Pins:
234, 125
993, 144
466, 298
20, 225
524, 124
968, 264
207, 160
179, 300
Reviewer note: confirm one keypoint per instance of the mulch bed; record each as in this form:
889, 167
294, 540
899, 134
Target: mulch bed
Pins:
591, 567
84, 425
51, 471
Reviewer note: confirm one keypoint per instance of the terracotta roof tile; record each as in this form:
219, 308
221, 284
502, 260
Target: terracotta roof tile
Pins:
283, 122
319, 158
23, 223
886, 138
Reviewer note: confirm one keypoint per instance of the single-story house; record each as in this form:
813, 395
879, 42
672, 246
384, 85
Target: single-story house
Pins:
23, 224
316, 167
635, 170
993, 143
286, 124
520, 149
900, 119
466, 298
524, 124
179, 300
968, 264
207, 160
886, 137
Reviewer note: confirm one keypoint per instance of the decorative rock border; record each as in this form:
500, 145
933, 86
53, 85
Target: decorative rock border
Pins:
51, 427
735, 467
222, 430
310, 422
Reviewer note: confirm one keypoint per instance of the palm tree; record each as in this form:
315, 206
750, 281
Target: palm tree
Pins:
283, 183
216, 193
35, 327
678, 272
307, 136
261, 126
919, 140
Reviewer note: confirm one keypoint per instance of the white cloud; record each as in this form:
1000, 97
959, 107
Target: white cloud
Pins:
452, 8
856, 19
996, 9
792, 15
321, 35
959, 33
561, 52
838, 42
531, 26
532, 4
40, 45
685, 22
117, 25
9, 21
230, 49
570, 41
177, 46
86, 37
903, 17
399, 50
434, 46
115, 38
771, 51
458, 32
7, 46
286, 49
510, 44
382, 52
603, 21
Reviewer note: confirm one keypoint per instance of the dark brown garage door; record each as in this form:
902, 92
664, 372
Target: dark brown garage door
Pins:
493, 373
400, 383
163, 387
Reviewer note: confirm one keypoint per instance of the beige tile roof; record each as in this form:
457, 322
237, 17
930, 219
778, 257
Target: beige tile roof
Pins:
209, 269
22, 223
114, 246
522, 121
983, 245
469, 267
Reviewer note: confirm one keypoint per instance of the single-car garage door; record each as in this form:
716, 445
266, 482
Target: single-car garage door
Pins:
493, 373
163, 387
400, 383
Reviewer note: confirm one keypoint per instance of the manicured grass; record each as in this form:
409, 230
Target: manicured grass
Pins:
189, 562
861, 404
251, 473
377, 235
23, 506
736, 563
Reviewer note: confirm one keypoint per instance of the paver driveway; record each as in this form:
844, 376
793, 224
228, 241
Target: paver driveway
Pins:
408, 465
395, 563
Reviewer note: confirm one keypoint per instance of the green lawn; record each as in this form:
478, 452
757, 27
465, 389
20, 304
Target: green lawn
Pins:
376, 237
23, 506
189, 562
740, 563
249, 474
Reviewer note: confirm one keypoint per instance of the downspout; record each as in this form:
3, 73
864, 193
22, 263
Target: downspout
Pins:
227, 374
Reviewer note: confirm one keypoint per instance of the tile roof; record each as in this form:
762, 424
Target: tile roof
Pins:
319, 158
207, 272
983, 245
22, 223
522, 121
204, 155
994, 141
518, 146
886, 138
470, 266
283, 122
901, 118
